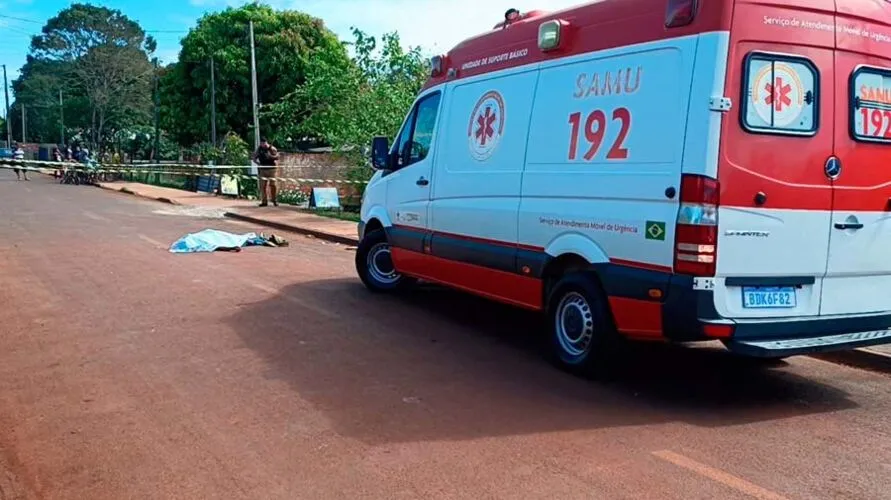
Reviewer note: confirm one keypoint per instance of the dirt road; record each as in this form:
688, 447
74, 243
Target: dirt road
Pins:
129, 372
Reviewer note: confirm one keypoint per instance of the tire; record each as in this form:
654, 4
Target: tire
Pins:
582, 336
375, 265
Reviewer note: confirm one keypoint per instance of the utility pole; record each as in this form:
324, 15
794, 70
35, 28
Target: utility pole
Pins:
6, 109
61, 119
157, 116
254, 90
213, 105
24, 125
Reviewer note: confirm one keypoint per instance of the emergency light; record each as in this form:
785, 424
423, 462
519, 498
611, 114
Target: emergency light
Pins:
680, 13
549, 35
436, 66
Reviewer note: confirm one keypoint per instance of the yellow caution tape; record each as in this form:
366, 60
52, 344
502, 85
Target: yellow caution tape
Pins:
127, 169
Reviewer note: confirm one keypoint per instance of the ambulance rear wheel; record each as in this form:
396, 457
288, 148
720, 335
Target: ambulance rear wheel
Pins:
582, 334
374, 263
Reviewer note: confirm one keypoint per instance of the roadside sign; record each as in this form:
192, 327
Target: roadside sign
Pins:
324, 198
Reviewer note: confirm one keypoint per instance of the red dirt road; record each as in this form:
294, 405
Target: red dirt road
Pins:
129, 372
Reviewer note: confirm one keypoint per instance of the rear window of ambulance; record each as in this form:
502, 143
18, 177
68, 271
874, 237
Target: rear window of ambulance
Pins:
871, 105
781, 95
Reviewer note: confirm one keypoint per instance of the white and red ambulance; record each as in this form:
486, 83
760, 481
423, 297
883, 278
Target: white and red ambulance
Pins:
654, 169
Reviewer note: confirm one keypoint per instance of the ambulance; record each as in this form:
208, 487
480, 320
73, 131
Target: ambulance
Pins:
671, 170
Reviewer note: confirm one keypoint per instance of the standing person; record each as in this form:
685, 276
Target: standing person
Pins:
266, 157
18, 154
57, 157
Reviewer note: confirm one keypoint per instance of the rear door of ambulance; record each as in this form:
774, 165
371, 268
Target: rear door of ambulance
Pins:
777, 144
858, 274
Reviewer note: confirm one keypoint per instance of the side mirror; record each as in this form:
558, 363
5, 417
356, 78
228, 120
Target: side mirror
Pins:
380, 153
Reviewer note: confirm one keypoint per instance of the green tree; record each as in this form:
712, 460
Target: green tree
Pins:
138, 143
100, 59
345, 109
286, 42
34, 88
232, 150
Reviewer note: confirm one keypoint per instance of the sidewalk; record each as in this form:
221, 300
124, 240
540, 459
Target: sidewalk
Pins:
284, 218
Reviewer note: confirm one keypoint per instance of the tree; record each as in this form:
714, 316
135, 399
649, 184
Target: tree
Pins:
345, 109
93, 52
232, 150
286, 42
139, 143
38, 89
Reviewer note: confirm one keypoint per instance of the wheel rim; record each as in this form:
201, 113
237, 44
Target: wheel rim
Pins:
380, 264
574, 324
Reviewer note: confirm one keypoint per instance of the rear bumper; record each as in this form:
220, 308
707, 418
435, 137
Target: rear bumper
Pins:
808, 345
687, 313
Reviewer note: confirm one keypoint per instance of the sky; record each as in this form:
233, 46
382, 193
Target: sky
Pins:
434, 25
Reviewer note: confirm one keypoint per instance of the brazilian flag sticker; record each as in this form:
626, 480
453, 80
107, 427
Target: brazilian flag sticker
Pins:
655, 230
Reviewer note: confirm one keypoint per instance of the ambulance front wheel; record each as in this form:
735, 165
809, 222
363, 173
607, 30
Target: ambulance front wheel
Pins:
374, 263
582, 334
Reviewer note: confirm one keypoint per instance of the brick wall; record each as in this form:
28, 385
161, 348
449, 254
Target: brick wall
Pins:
316, 166
312, 165
31, 149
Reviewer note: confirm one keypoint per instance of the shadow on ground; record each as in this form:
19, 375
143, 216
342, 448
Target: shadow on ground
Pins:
441, 365
862, 359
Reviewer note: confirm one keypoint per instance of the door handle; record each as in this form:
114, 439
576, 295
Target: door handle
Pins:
848, 225
422, 182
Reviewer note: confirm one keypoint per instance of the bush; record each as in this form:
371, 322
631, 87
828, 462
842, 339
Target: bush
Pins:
292, 197
233, 150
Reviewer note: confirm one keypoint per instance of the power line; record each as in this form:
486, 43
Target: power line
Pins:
20, 19
20, 31
25, 20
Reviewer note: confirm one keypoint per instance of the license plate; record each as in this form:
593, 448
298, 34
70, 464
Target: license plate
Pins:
769, 297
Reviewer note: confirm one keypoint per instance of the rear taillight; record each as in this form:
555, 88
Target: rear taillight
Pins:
696, 236
680, 13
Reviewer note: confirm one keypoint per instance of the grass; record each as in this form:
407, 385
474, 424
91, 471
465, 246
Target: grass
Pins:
336, 214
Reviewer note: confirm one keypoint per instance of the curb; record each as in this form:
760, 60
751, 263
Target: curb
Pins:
322, 235
124, 190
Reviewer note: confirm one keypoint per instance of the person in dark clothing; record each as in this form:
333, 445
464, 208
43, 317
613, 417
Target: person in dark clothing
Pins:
266, 157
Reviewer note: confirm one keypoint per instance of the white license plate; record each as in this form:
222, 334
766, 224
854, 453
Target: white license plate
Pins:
769, 297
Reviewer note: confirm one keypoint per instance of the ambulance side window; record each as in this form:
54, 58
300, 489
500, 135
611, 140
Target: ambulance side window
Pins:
416, 137
871, 105
402, 142
425, 122
781, 95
